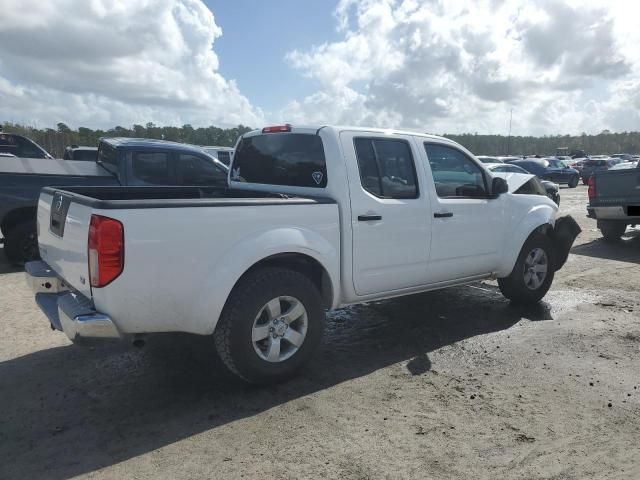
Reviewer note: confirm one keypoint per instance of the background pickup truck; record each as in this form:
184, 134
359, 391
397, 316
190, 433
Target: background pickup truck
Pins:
358, 215
614, 201
121, 161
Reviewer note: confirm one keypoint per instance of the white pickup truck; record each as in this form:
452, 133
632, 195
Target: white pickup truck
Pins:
312, 219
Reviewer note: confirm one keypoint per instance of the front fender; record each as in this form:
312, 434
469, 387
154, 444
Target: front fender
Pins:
564, 234
245, 254
538, 216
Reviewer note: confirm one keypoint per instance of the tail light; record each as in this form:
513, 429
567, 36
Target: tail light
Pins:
277, 129
106, 250
592, 188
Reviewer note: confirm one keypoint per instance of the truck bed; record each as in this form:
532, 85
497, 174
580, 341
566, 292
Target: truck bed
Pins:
107, 198
184, 247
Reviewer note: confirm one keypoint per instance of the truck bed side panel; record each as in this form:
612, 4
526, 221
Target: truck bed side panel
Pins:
181, 263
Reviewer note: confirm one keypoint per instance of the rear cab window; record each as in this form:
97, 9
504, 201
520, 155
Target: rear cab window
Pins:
108, 158
287, 159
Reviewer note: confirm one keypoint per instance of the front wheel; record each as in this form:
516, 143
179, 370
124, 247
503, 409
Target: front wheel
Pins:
21, 243
533, 272
271, 324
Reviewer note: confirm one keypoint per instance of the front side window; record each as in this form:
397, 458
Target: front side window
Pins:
455, 175
291, 159
194, 170
151, 168
386, 167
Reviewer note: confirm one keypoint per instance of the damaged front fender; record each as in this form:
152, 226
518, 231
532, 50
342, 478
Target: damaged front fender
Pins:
565, 232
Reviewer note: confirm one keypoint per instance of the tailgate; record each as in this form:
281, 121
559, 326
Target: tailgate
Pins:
63, 231
618, 187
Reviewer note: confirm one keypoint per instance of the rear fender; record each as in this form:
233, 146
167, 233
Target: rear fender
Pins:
244, 255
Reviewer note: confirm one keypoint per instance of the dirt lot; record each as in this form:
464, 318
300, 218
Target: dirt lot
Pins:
452, 384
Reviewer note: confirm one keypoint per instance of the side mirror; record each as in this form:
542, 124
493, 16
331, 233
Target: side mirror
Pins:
499, 186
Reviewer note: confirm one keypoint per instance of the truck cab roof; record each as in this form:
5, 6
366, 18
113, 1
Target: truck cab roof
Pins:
126, 142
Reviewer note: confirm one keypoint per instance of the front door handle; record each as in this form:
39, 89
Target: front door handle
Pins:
369, 218
443, 214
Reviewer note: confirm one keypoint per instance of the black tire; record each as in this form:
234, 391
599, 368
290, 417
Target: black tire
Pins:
573, 183
233, 334
21, 243
611, 230
514, 287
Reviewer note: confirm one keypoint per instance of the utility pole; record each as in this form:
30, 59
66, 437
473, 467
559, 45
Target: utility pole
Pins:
509, 137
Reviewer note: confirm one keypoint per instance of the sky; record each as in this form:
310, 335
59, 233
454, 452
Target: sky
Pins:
438, 66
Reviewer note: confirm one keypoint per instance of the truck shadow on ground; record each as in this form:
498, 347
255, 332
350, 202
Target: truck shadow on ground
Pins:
625, 250
70, 410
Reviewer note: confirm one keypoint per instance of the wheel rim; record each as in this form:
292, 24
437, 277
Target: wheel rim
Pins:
279, 329
29, 247
536, 266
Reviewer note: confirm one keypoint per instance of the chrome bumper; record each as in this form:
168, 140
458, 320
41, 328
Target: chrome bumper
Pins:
67, 310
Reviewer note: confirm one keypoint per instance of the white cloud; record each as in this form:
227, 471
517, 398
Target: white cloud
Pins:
457, 66
107, 62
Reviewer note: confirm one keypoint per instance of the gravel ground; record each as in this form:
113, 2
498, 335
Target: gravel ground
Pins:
450, 384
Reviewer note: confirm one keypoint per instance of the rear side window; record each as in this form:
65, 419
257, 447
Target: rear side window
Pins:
194, 170
292, 159
386, 167
151, 168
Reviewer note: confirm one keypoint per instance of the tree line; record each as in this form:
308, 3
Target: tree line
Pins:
54, 140
606, 142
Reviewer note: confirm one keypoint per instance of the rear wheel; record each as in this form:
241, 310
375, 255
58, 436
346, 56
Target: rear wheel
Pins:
21, 243
573, 182
611, 230
533, 272
270, 326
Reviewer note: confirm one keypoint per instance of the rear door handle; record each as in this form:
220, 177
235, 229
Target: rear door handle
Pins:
443, 215
369, 218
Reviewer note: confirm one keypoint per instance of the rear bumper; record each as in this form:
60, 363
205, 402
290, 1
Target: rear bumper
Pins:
67, 310
617, 212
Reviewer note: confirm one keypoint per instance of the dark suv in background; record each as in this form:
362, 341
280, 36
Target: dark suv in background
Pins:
550, 169
592, 165
22, 147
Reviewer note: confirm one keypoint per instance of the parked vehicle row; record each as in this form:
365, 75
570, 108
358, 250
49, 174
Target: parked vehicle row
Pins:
313, 218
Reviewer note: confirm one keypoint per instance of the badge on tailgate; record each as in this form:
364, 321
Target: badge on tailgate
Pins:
59, 209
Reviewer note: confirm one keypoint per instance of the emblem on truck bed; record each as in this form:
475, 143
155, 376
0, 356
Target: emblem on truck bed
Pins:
317, 177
